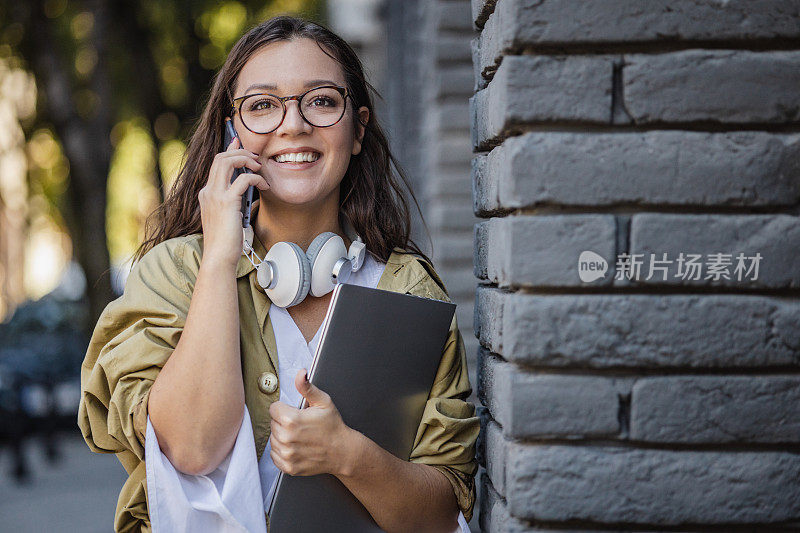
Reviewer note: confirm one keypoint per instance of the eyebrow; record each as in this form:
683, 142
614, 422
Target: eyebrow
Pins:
309, 84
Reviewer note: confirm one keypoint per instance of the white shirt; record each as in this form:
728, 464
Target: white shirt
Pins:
295, 354
227, 500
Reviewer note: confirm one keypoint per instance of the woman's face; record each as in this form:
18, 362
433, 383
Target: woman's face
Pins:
288, 68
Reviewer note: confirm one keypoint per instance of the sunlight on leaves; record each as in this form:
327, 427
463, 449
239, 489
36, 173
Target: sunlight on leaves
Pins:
47, 251
132, 195
85, 60
170, 158
82, 25
304, 8
227, 23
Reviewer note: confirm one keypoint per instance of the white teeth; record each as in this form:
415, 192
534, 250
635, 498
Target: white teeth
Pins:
297, 157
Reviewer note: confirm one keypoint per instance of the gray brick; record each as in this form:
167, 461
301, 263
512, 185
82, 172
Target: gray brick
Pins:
615, 484
707, 409
488, 318
481, 9
728, 86
484, 188
480, 258
486, 377
517, 24
543, 251
638, 330
494, 517
479, 82
529, 405
775, 237
542, 89
496, 41
745, 168
496, 458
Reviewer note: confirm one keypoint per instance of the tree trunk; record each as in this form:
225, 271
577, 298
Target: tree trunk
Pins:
86, 142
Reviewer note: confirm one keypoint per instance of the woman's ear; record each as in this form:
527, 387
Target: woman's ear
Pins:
361, 126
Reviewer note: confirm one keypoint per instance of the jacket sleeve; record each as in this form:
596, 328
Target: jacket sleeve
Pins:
133, 338
449, 428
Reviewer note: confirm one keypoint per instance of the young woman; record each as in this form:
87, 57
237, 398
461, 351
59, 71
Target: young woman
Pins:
192, 347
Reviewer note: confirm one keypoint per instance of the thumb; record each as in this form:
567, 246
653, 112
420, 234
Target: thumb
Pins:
313, 395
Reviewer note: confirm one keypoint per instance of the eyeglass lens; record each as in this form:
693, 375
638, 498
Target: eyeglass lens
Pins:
320, 107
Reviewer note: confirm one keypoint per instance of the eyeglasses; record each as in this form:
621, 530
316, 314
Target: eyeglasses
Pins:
264, 113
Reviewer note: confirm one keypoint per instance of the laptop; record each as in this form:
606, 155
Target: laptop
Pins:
377, 359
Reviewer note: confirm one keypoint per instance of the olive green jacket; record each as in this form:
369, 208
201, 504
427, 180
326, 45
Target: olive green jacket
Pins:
138, 331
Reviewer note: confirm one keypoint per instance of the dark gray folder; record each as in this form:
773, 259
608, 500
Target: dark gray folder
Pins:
377, 359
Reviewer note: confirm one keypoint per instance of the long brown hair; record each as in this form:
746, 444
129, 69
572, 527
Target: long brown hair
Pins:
375, 203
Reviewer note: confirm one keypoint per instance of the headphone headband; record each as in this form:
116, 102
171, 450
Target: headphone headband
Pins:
287, 273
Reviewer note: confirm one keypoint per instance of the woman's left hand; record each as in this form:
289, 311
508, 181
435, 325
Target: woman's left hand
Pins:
308, 441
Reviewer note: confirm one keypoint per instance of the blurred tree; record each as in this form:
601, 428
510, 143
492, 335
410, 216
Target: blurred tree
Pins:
103, 64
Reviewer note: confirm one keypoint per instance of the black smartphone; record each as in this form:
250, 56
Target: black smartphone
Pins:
249, 196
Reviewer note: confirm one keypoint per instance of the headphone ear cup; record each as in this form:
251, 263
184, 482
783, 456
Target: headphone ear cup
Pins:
323, 253
293, 274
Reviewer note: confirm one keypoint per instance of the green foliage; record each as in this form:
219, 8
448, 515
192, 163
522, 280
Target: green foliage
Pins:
162, 55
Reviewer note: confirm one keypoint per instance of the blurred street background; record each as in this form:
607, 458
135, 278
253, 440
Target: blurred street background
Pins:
97, 99
77, 491
599, 132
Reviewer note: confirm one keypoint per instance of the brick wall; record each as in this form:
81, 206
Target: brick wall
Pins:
626, 128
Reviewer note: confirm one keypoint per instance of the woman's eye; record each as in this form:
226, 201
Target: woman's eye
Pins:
261, 105
321, 101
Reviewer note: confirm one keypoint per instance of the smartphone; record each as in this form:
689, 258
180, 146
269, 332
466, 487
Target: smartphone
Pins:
249, 195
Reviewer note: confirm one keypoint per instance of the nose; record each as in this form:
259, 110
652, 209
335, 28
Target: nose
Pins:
293, 123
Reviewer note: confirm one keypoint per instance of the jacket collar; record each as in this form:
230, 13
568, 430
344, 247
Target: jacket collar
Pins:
403, 271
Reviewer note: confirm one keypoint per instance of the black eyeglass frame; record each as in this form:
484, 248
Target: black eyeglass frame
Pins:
236, 106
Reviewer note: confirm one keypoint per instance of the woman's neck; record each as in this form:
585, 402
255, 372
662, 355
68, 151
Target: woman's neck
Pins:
299, 225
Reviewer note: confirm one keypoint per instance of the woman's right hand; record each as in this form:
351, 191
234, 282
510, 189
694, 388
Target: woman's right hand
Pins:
221, 203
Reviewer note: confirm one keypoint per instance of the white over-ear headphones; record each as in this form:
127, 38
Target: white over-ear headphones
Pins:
287, 273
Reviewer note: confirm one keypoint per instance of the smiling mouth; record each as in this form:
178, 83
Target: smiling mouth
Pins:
296, 157
289, 165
